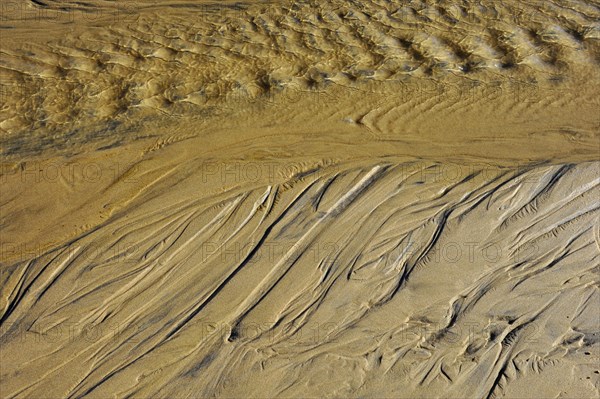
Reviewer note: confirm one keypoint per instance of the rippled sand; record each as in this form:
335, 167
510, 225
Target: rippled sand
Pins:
386, 199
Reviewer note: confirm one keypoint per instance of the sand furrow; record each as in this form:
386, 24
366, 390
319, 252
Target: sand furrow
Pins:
333, 293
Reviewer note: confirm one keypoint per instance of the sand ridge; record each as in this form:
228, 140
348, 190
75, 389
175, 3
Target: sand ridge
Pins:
280, 286
105, 70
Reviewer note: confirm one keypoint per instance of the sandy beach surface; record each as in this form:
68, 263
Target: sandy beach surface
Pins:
299, 199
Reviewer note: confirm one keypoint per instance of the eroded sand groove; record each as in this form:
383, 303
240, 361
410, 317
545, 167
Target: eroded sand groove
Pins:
109, 68
253, 291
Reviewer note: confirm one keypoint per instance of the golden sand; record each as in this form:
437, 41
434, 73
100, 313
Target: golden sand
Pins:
387, 199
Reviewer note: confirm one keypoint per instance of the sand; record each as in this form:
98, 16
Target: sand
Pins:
300, 199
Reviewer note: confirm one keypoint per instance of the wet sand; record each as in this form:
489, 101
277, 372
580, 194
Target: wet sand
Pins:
295, 199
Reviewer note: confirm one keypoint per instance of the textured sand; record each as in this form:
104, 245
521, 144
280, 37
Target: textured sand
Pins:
300, 199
